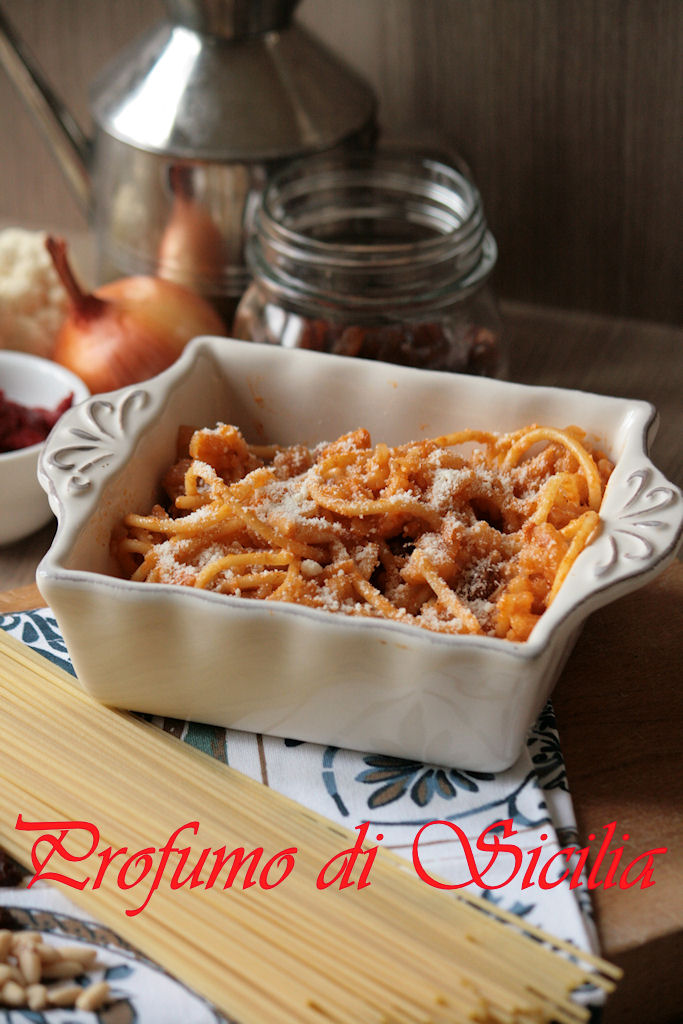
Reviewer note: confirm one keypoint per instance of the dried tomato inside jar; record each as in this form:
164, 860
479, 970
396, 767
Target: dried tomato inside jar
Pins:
379, 255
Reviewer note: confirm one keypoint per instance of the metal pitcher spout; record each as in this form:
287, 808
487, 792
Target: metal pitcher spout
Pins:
71, 147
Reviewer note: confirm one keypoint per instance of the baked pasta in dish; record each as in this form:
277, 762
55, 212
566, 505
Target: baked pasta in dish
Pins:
472, 532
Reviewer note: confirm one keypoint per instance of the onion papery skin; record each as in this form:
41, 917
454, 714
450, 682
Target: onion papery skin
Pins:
138, 328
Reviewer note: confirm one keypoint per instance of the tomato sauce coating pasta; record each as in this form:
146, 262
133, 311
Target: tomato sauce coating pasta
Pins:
472, 532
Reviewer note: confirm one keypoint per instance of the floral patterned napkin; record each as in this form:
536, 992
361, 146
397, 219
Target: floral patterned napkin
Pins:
398, 798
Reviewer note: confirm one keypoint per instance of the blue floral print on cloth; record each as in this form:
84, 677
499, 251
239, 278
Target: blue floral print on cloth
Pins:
398, 798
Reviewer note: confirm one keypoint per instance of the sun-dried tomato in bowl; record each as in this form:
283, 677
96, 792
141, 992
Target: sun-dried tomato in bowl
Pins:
23, 425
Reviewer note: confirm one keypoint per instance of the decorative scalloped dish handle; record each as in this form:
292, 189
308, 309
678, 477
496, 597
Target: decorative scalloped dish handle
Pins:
87, 441
645, 529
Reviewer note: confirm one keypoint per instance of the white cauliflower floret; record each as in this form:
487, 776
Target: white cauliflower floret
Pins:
33, 302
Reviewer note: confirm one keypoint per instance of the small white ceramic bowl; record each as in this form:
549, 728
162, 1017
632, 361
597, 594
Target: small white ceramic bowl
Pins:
31, 381
304, 673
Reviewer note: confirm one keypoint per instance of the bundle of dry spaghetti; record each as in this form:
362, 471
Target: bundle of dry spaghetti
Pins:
397, 951
428, 533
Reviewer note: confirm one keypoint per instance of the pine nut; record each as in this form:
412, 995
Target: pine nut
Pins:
30, 965
63, 995
62, 969
25, 939
93, 997
13, 994
47, 954
36, 997
8, 972
79, 954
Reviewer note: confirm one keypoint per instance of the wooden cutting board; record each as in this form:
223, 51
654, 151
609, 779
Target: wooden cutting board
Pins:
21, 599
619, 708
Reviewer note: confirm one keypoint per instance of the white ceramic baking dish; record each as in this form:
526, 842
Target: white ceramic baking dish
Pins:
307, 674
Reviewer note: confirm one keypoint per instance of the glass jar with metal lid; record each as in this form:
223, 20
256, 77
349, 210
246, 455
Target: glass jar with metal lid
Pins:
381, 255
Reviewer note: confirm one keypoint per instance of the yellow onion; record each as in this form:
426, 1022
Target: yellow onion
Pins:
128, 330
191, 247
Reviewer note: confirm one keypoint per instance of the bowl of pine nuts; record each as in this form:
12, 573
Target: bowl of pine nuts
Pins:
36, 974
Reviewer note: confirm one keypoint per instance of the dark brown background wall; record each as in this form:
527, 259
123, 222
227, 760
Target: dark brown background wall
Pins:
568, 111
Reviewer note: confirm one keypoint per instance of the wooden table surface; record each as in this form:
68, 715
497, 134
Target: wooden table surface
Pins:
618, 703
